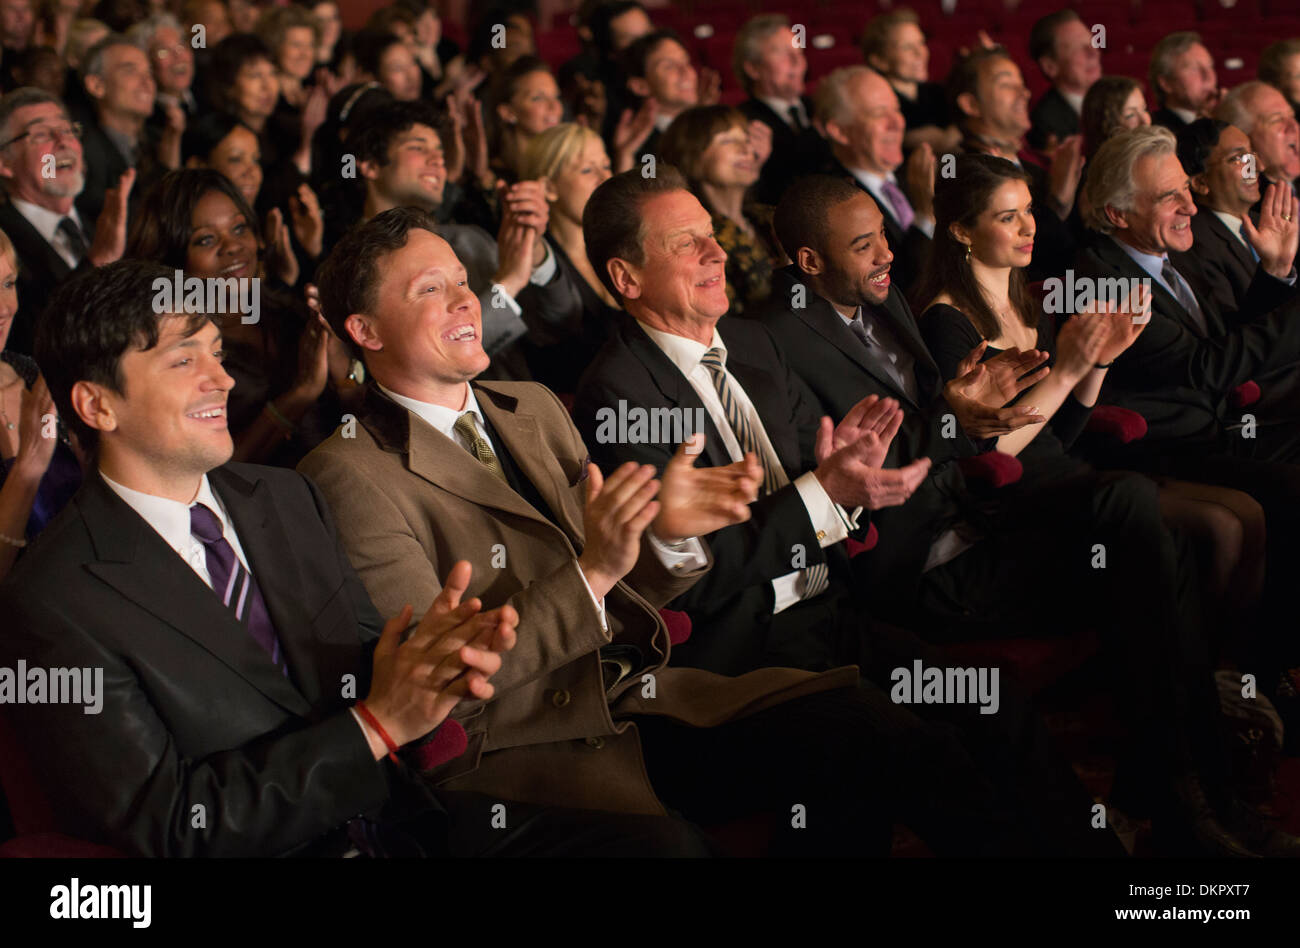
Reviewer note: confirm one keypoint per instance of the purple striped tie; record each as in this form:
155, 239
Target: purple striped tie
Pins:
235, 585
898, 202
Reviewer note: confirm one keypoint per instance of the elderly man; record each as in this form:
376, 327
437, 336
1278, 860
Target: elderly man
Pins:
771, 67
1264, 114
990, 99
119, 83
1226, 185
858, 113
1183, 79
588, 711
43, 170
1062, 46
173, 71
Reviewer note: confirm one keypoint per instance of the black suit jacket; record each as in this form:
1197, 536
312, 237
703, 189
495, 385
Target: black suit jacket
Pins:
40, 270
911, 247
1179, 377
1053, 115
1223, 260
731, 605
1169, 119
794, 153
834, 364
104, 165
194, 714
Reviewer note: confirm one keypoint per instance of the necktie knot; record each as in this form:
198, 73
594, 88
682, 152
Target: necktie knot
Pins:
76, 239
205, 525
713, 360
478, 445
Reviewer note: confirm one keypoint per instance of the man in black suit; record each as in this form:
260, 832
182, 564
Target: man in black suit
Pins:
119, 82
1183, 79
42, 168
991, 102
771, 68
1062, 46
858, 113
1226, 185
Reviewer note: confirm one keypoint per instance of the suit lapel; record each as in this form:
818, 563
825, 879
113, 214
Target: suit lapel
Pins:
1235, 247
133, 559
1110, 251
28, 238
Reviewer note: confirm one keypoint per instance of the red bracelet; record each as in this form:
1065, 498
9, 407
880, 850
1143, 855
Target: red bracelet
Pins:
379, 729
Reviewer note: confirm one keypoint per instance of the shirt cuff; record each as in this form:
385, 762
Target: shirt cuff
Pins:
599, 603
828, 518
545, 271
681, 557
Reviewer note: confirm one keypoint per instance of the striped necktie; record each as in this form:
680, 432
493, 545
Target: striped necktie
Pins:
478, 445
1183, 293
774, 478
235, 585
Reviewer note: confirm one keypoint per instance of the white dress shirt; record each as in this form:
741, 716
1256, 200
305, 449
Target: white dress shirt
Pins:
46, 223
1233, 223
170, 519
782, 108
1073, 99
831, 522
875, 183
687, 555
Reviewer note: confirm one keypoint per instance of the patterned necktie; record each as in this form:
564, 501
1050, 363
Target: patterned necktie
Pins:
235, 585
898, 201
1246, 240
1183, 293
76, 239
478, 445
816, 576
881, 357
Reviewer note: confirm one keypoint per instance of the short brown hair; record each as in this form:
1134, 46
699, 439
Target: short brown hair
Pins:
749, 41
875, 36
1272, 61
612, 223
1163, 55
686, 140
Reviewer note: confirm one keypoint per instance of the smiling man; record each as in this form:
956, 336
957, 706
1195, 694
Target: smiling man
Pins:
1062, 46
119, 83
49, 235
233, 634
1264, 114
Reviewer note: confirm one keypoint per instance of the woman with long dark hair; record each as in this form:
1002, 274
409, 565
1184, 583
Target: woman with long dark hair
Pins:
289, 371
973, 293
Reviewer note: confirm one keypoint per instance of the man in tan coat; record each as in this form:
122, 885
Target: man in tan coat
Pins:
588, 713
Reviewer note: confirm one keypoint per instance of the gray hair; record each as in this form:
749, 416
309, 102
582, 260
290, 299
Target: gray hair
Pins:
1163, 55
19, 99
832, 101
749, 41
94, 63
141, 34
1110, 173
1234, 108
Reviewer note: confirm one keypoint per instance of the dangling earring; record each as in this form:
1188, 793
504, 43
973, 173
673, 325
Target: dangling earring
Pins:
968, 255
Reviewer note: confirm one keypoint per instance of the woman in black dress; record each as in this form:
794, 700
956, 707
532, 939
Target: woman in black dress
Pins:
974, 293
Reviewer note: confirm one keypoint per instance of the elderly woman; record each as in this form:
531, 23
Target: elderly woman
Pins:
38, 473
571, 160
721, 154
289, 372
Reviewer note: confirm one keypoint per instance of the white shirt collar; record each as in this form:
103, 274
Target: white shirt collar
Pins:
682, 352
782, 108
1232, 222
1184, 114
1074, 100
44, 220
439, 417
1152, 263
170, 519
875, 183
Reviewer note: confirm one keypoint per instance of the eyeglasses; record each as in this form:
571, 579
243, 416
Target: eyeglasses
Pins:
45, 134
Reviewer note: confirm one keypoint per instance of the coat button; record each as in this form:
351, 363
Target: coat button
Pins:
560, 698
821, 534
595, 743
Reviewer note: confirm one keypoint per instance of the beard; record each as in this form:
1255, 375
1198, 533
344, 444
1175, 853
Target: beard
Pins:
67, 184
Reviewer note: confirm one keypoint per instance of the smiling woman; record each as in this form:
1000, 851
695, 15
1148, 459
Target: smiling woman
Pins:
289, 373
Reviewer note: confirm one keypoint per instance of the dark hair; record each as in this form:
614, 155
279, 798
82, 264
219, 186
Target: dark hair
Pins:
1196, 141
204, 134
349, 278
369, 46
875, 35
92, 319
1272, 61
163, 224
960, 200
612, 224
800, 216
605, 14
228, 57
1042, 35
1103, 108
965, 76
635, 56
684, 142
372, 136
384, 18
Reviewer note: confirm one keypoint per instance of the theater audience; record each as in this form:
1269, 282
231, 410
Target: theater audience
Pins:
1064, 49
657, 68
771, 66
894, 45
1183, 79
1113, 103
720, 153
1264, 114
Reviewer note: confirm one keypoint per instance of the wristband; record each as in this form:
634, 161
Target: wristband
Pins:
379, 729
